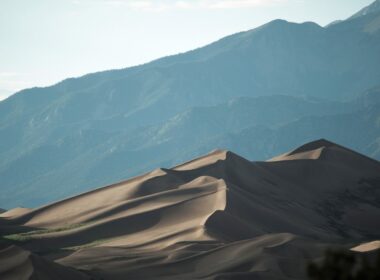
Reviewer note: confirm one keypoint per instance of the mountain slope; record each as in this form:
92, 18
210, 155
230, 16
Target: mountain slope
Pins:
370, 9
218, 216
106, 126
358, 129
114, 155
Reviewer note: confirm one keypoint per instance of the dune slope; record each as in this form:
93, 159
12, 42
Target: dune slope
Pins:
219, 216
17, 263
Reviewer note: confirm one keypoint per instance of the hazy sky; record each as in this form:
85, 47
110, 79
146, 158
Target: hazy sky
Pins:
45, 41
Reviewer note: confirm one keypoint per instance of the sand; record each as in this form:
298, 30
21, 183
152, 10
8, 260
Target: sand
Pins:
17, 263
216, 217
367, 247
13, 212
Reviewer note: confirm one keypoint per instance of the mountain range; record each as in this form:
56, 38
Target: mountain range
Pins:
257, 93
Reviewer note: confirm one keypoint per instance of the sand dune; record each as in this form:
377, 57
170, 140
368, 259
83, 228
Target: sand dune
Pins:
217, 217
271, 256
13, 212
17, 263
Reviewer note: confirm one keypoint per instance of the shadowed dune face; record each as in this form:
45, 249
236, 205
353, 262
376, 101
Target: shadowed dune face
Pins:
273, 256
216, 217
20, 264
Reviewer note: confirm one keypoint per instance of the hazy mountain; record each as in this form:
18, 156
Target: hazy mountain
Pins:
219, 216
370, 9
267, 84
358, 129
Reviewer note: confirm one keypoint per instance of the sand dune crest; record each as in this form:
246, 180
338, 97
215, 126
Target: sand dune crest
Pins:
218, 216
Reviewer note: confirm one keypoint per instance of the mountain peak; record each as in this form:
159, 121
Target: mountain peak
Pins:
279, 23
370, 9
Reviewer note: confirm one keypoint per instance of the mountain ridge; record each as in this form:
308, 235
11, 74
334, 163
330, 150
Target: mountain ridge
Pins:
267, 84
372, 8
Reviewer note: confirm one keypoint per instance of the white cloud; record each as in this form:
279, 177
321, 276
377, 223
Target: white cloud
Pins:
141, 4
237, 4
164, 5
183, 5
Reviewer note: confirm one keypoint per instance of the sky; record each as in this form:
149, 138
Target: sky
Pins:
45, 41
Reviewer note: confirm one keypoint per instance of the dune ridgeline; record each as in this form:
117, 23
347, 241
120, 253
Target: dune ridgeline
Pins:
219, 216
